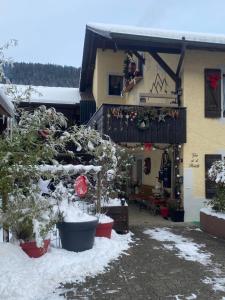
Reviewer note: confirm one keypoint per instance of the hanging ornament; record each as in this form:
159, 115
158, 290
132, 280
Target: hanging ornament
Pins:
143, 123
44, 133
148, 147
161, 117
81, 186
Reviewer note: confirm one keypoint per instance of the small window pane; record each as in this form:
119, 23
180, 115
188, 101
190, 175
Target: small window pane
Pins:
115, 85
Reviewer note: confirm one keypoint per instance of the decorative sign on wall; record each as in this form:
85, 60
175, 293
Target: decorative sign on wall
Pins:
159, 85
194, 161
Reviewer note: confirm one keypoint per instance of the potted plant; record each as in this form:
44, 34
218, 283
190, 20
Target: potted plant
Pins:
76, 227
176, 211
212, 217
30, 217
20, 154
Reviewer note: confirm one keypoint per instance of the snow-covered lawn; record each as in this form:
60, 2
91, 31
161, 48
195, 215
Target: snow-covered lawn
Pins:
186, 249
22, 277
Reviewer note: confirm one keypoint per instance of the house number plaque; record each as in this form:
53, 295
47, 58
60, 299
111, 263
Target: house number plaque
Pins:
194, 161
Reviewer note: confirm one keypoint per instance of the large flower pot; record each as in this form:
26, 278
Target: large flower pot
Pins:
164, 212
177, 215
213, 223
32, 250
104, 230
77, 236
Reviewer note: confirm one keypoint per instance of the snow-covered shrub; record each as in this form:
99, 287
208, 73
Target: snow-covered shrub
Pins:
103, 152
34, 141
29, 215
217, 174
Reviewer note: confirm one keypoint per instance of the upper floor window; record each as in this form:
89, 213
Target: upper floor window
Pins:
115, 85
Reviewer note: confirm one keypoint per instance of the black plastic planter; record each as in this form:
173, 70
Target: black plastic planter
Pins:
78, 236
177, 215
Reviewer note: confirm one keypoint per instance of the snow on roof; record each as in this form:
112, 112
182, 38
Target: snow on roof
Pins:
56, 95
158, 33
6, 103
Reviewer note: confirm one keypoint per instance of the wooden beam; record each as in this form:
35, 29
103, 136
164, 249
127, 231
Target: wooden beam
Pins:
139, 56
181, 59
164, 66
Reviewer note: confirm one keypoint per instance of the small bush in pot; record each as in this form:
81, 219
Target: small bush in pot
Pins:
30, 217
76, 227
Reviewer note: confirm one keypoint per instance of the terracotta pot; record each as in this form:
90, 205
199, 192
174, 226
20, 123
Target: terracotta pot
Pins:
212, 225
164, 211
32, 250
104, 230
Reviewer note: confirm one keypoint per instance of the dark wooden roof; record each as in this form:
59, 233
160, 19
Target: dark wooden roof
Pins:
130, 38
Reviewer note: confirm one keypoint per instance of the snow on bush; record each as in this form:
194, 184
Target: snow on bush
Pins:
217, 172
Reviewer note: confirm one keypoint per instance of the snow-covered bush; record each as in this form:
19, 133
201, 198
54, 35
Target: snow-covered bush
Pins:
103, 152
34, 141
29, 215
217, 174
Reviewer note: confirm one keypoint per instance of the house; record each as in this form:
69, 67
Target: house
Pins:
63, 99
160, 94
6, 111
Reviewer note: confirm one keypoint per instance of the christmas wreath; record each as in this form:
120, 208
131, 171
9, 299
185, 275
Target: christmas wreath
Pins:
143, 122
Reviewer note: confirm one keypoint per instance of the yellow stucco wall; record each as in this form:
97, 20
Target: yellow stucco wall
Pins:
204, 135
155, 156
151, 69
107, 62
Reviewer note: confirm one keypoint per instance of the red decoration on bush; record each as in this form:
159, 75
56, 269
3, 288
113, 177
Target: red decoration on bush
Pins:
213, 80
148, 147
44, 133
81, 186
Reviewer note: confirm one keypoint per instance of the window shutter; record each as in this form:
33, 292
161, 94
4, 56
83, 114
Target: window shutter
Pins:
212, 93
210, 186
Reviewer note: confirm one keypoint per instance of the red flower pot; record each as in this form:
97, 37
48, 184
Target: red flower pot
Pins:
164, 211
32, 250
104, 230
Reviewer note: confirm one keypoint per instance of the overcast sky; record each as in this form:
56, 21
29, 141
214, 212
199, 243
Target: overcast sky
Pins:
52, 31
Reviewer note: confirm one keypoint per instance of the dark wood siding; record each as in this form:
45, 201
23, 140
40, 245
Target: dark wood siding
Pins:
172, 131
210, 186
212, 93
87, 109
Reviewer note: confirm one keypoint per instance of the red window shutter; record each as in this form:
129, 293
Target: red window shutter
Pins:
213, 93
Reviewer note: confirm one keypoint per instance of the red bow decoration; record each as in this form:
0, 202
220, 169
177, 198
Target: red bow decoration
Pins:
148, 147
213, 80
81, 186
44, 133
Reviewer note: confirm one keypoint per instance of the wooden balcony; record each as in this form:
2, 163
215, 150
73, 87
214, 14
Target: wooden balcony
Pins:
141, 124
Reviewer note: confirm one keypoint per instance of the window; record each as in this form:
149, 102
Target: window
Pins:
115, 85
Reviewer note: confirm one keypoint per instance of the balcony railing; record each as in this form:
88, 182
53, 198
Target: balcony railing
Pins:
141, 124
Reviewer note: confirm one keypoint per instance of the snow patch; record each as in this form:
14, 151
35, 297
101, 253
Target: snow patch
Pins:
186, 248
22, 277
103, 219
113, 202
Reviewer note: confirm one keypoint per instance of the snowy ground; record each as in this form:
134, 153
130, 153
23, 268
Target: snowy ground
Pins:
186, 249
22, 277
